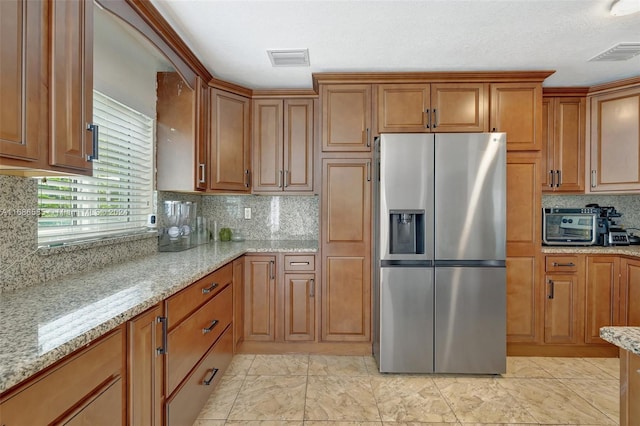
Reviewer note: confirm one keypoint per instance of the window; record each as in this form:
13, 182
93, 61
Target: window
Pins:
118, 198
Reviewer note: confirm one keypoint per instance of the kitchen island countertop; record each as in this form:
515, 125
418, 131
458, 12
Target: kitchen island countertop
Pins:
41, 324
627, 338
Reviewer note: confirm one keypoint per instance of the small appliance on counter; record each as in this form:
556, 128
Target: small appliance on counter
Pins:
592, 225
177, 226
610, 232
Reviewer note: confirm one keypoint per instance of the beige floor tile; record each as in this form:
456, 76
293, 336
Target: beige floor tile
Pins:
276, 365
410, 399
270, 398
240, 365
334, 423
221, 400
372, 366
264, 423
550, 401
524, 367
340, 399
482, 400
602, 394
209, 423
420, 424
336, 365
570, 368
610, 365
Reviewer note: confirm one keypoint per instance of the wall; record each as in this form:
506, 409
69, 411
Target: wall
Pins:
627, 204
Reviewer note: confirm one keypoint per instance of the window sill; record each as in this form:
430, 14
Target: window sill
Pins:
99, 242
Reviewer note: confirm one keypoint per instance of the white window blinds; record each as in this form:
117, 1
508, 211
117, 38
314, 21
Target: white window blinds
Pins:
118, 198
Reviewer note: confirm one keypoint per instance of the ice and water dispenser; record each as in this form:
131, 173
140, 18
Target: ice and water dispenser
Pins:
406, 229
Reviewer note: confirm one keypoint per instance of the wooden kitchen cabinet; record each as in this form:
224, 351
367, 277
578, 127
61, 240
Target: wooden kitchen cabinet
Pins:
522, 300
230, 136
346, 111
629, 388
93, 379
71, 85
516, 108
443, 107
24, 70
260, 298
238, 302
282, 145
145, 374
346, 250
629, 292
299, 298
564, 126
602, 296
615, 140
564, 297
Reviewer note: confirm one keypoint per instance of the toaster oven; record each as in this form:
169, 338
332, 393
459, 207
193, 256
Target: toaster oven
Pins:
570, 226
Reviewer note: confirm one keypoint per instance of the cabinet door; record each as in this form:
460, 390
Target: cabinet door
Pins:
569, 143
629, 388
259, 298
23, 86
202, 134
268, 167
229, 150
346, 248
522, 300
404, 108
238, 301
99, 409
516, 108
346, 117
144, 374
562, 309
615, 141
548, 172
523, 204
71, 87
602, 295
630, 292
461, 107
299, 307
298, 145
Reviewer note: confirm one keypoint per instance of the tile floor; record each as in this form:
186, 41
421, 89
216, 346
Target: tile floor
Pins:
318, 390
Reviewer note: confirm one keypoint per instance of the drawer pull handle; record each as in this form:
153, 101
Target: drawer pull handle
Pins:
571, 264
208, 381
162, 350
551, 289
208, 290
210, 328
299, 263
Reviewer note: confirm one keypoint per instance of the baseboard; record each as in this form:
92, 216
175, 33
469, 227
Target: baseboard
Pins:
586, 351
316, 348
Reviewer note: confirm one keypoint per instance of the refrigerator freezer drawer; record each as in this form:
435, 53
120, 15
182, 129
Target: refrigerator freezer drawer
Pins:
470, 320
406, 320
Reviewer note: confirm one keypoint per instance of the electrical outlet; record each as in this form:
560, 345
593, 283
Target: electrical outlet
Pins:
247, 212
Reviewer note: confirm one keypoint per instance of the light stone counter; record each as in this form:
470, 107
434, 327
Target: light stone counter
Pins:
620, 250
41, 324
627, 338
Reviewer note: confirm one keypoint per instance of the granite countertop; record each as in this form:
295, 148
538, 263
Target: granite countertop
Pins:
627, 338
41, 324
621, 250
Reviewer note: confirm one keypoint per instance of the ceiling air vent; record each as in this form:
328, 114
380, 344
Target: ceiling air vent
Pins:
289, 57
619, 52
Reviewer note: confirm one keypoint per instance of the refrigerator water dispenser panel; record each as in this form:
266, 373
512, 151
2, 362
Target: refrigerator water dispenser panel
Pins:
406, 231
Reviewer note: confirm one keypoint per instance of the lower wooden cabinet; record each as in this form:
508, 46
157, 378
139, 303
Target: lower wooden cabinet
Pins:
93, 384
146, 348
629, 292
260, 298
522, 300
602, 295
629, 388
238, 302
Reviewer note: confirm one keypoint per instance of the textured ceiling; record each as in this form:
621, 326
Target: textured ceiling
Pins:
231, 37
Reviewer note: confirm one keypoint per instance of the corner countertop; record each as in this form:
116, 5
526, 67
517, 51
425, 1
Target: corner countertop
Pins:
633, 251
627, 338
41, 324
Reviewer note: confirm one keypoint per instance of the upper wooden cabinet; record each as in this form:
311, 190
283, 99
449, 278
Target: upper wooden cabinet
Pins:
229, 147
615, 140
346, 117
282, 145
71, 85
444, 107
563, 134
516, 108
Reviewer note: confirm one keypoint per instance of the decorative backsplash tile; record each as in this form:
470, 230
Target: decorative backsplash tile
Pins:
627, 204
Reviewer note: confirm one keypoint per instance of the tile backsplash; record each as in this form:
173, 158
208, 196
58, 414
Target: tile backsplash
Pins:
627, 204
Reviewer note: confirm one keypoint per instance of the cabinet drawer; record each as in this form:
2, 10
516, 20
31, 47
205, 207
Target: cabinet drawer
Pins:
299, 263
42, 401
189, 341
183, 407
188, 300
561, 264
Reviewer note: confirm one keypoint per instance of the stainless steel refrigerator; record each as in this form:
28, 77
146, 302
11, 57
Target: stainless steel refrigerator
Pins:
440, 235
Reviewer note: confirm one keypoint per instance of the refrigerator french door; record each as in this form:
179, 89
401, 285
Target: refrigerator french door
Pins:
440, 253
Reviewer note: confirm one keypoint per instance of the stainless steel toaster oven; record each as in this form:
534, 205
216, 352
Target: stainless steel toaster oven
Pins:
570, 226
